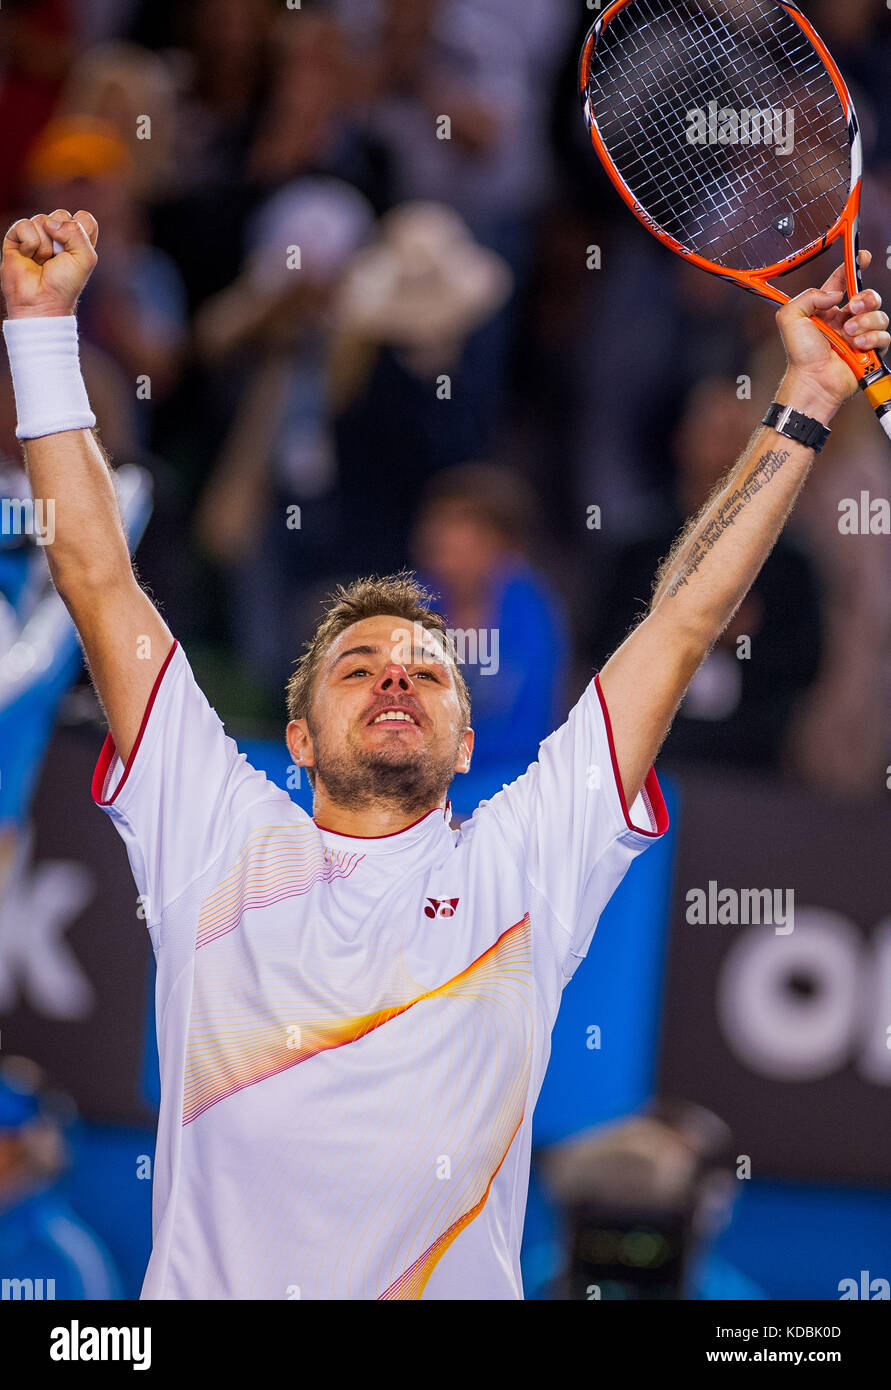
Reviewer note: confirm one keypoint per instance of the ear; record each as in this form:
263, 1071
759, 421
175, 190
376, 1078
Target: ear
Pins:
465, 751
299, 741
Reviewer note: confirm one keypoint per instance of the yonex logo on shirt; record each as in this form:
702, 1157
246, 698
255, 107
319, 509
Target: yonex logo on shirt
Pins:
441, 907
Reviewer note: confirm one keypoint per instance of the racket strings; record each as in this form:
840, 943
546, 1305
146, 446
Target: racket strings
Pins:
751, 176
718, 45
658, 62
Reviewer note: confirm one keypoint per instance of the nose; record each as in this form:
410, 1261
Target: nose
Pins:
393, 678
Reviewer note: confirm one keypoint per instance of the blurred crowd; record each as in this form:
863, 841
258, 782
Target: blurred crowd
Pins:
365, 300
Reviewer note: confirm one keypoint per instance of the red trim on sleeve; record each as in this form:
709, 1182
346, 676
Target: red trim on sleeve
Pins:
652, 792
109, 752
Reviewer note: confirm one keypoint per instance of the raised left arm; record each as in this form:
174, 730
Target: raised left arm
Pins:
717, 557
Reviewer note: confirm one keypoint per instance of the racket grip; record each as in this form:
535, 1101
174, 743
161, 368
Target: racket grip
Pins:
57, 247
877, 389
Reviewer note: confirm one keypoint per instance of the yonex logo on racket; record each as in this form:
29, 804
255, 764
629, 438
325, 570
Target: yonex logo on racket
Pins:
728, 125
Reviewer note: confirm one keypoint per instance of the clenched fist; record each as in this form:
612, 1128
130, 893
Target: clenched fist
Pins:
35, 282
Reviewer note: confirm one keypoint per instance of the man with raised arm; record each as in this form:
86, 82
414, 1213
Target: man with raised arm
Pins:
354, 1008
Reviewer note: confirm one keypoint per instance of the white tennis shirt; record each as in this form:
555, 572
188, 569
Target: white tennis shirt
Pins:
353, 1032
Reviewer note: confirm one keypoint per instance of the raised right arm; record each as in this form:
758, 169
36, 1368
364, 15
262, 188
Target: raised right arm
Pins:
124, 637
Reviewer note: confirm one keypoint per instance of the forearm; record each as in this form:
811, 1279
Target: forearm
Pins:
719, 554
87, 545
124, 638
701, 585
717, 558
125, 641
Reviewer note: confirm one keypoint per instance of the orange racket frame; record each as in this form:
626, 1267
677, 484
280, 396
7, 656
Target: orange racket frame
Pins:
869, 369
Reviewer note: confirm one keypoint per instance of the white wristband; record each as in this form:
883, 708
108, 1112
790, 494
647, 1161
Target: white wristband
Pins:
50, 395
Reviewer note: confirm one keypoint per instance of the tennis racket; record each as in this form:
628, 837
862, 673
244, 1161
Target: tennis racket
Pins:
729, 131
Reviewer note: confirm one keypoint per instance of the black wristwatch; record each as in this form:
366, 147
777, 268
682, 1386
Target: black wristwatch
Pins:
794, 425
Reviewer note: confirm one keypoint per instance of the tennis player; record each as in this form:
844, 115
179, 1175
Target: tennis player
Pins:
354, 1008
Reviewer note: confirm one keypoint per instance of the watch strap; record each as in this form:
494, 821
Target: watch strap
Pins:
794, 425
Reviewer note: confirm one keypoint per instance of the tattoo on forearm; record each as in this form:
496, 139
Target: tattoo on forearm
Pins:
769, 464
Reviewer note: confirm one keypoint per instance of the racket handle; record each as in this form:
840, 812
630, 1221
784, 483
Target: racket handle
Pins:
57, 247
877, 389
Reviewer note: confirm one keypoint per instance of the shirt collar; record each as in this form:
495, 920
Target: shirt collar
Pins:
427, 830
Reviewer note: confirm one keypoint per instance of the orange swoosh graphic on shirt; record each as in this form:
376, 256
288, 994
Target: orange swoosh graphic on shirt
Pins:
411, 1284
216, 1068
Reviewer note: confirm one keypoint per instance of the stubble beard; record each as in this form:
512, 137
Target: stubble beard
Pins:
413, 784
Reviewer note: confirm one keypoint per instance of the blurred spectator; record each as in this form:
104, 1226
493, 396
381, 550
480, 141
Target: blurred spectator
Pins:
643, 1200
485, 65
458, 91
133, 309
35, 51
20, 576
653, 318
270, 514
841, 741
311, 124
222, 73
127, 86
41, 1237
226, 65
403, 386
740, 703
472, 543
858, 35
96, 21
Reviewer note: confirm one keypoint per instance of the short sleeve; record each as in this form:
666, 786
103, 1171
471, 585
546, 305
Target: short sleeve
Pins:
566, 825
183, 786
